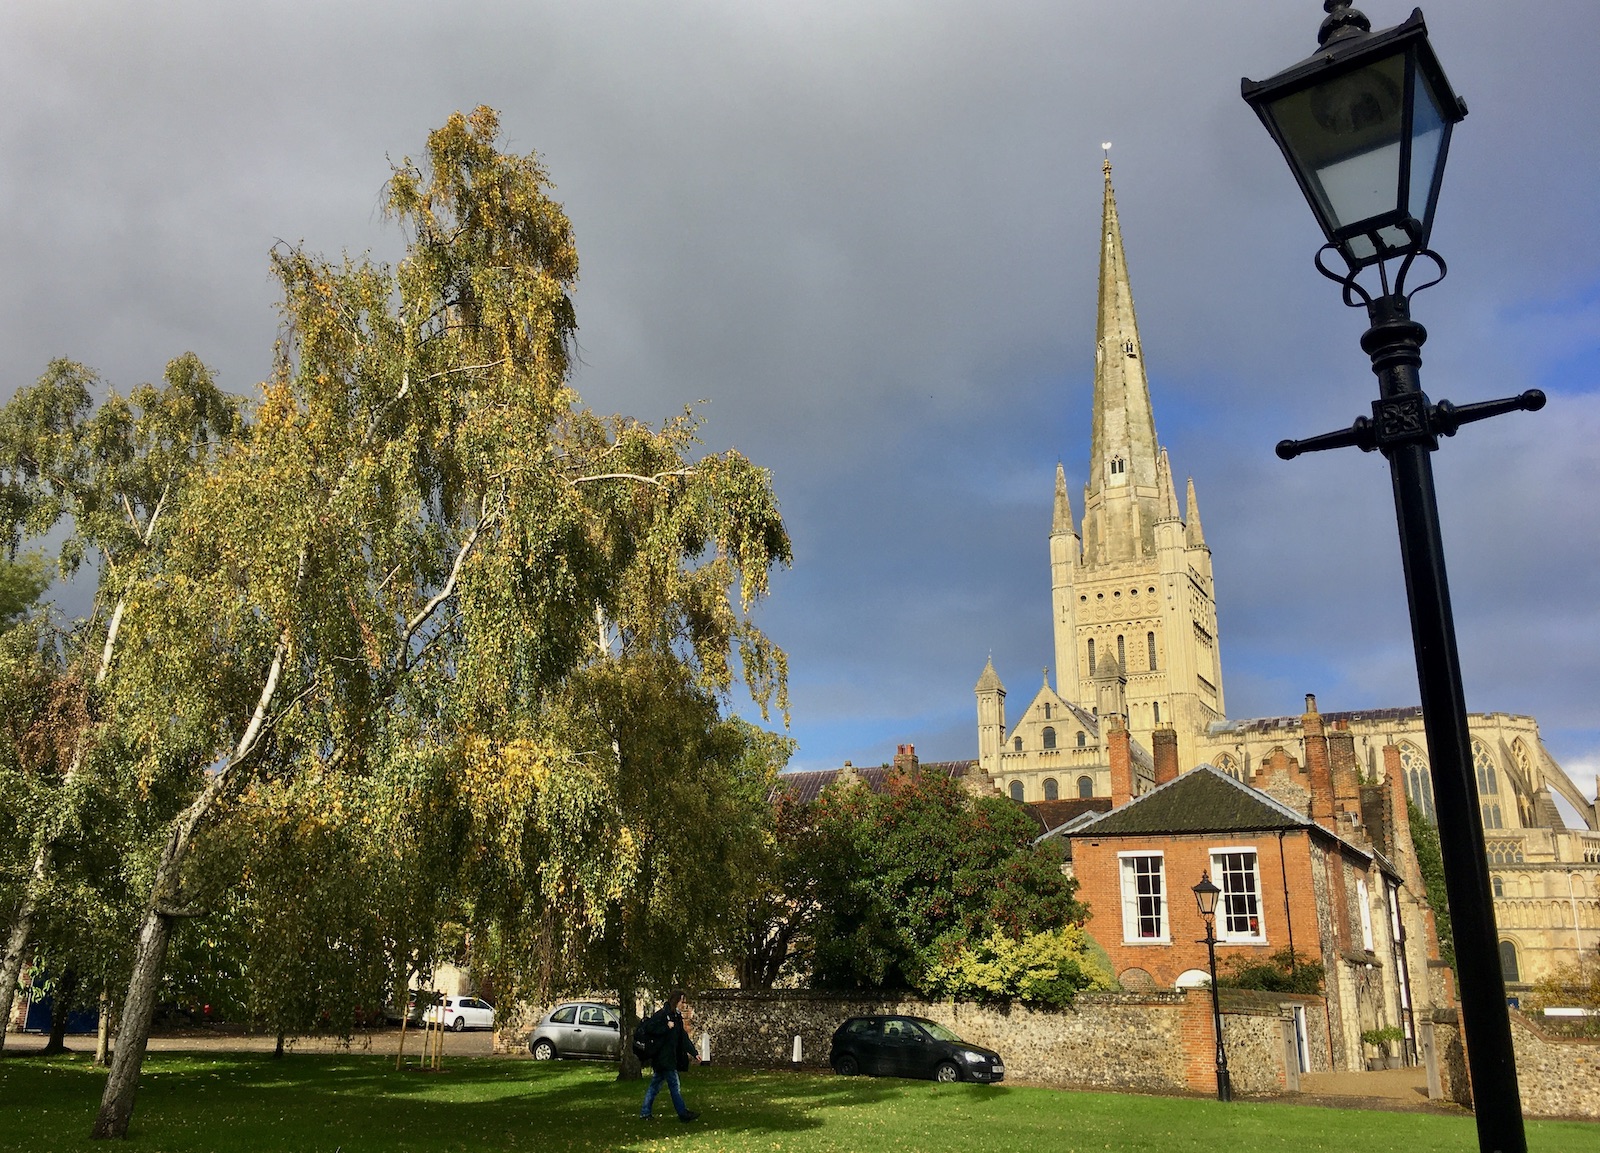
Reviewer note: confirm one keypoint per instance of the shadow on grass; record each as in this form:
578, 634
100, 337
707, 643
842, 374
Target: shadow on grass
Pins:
353, 1103
356, 1103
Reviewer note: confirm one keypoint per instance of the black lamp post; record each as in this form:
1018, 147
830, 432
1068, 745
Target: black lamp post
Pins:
1365, 124
1205, 895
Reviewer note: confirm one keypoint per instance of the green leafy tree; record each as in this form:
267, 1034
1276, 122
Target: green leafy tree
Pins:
913, 874
113, 475
22, 583
623, 827
778, 894
409, 541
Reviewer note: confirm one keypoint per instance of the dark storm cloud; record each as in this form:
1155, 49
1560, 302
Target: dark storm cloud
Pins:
865, 235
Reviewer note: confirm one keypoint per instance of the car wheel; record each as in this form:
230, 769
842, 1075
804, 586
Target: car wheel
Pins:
543, 1050
947, 1071
458, 1024
847, 1066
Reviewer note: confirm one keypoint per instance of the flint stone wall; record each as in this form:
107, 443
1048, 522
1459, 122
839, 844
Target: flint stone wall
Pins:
1158, 1042
1558, 1077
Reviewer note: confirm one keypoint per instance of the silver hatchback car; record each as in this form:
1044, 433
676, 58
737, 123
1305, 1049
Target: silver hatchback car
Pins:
578, 1029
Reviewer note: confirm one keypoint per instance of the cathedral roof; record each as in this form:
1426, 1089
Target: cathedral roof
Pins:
1330, 720
807, 785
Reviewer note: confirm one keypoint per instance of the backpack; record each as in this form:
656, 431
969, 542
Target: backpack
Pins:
646, 1041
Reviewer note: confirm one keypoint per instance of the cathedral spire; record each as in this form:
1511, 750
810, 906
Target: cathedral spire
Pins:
1062, 521
1122, 449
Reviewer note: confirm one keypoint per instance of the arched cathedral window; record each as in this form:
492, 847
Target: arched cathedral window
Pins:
1483, 761
1150, 649
1508, 962
1128, 349
1052, 791
1118, 466
1049, 735
1085, 786
1016, 744
1499, 886
1122, 652
1091, 657
1081, 740
1419, 785
1016, 790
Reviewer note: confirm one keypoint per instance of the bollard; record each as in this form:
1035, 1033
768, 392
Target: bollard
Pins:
796, 1057
705, 1046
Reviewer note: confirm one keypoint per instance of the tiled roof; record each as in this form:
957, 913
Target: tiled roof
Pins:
1330, 720
1202, 801
1053, 814
809, 785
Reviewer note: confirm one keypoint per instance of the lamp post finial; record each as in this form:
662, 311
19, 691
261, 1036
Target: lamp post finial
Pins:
1341, 21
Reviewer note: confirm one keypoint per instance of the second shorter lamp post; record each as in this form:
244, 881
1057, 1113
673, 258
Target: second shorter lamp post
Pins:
1205, 896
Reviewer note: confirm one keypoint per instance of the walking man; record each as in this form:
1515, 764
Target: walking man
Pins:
672, 1053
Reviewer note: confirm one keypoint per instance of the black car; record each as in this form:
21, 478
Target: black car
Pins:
910, 1047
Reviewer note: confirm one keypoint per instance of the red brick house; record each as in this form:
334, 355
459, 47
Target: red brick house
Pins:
1322, 887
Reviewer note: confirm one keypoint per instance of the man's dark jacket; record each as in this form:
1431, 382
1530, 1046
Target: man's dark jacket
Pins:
666, 1026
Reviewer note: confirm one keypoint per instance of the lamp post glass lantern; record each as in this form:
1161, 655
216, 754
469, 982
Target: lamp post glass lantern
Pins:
1205, 897
1365, 126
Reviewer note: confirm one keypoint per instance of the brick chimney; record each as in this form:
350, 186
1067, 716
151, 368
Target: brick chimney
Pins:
1318, 771
1164, 747
1346, 773
905, 760
1120, 751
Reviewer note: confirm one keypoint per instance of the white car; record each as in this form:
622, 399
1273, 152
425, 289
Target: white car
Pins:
460, 1013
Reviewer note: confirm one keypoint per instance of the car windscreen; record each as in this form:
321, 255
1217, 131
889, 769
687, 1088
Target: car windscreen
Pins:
939, 1032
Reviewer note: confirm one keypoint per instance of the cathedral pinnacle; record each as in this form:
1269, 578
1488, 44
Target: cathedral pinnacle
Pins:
1167, 495
1194, 535
1062, 521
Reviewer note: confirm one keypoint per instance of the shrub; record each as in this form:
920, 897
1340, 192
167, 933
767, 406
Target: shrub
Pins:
1567, 987
1285, 971
1049, 968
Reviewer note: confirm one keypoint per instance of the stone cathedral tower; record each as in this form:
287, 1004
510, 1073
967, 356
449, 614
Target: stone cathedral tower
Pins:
1134, 586
1133, 606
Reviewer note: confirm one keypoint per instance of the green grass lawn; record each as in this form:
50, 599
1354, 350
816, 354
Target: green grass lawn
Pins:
319, 1104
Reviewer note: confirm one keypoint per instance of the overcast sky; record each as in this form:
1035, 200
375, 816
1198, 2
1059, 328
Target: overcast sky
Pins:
864, 233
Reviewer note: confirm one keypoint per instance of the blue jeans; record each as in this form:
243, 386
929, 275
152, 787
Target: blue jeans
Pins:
671, 1079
